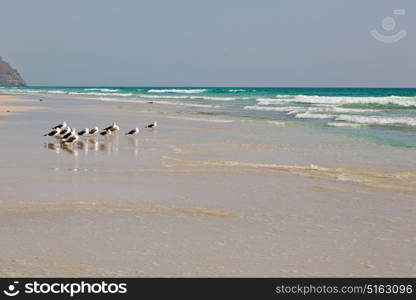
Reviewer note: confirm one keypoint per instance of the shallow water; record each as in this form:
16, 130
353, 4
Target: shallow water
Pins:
387, 116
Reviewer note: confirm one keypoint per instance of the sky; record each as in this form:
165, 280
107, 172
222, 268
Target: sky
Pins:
282, 43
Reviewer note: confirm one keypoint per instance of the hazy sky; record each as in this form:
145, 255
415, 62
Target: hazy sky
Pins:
208, 43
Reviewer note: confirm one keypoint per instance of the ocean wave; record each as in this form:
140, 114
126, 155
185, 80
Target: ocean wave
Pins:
285, 96
312, 112
182, 91
102, 90
377, 120
268, 101
308, 115
388, 106
25, 91
330, 109
344, 124
163, 96
100, 94
396, 100
218, 98
267, 108
336, 109
139, 101
192, 97
59, 92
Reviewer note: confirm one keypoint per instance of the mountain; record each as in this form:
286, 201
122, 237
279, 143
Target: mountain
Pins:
9, 76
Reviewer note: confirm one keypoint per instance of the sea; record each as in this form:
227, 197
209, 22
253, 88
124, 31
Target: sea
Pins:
383, 115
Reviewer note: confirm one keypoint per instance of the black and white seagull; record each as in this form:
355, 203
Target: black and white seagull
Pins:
106, 132
53, 133
151, 125
71, 140
133, 131
60, 126
115, 128
94, 130
69, 134
65, 131
112, 127
84, 132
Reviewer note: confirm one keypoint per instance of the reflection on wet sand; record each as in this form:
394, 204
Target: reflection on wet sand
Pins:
104, 147
134, 145
70, 150
82, 146
53, 146
94, 145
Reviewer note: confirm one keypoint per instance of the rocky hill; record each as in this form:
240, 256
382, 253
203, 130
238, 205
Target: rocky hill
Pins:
9, 76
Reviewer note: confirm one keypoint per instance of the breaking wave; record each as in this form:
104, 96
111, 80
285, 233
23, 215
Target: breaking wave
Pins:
377, 120
396, 100
181, 91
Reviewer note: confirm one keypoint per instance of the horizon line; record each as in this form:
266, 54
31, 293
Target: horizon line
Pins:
225, 86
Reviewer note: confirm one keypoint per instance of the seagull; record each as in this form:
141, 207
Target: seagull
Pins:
69, 134
65, 131
151, 125
53, 133
133, 131
94, 130
60, 126
115, 128
111, 127
84, 132
71, 140
106, 132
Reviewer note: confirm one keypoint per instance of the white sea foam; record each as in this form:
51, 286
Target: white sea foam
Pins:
276, 123
308, 115
102, 90
396, 100
163, 96
193, 97
59, 92
377, 120
182, 91
268, 108
195, 105
140, 101
100, 94
344, 124
307, 112
285, 96
268, 101
218, 98
335, 109
30, 91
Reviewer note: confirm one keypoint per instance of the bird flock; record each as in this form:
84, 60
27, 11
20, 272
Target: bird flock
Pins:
69, 136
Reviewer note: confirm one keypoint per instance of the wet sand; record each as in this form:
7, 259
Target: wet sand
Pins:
12, 105
199, 196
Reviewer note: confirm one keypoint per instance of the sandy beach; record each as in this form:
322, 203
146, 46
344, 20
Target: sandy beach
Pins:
199, 196
12, 105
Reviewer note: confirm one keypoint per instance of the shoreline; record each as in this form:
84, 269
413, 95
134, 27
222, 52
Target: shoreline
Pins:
195, 198
13, 104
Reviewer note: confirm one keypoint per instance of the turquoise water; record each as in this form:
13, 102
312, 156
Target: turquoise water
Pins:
386, 116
